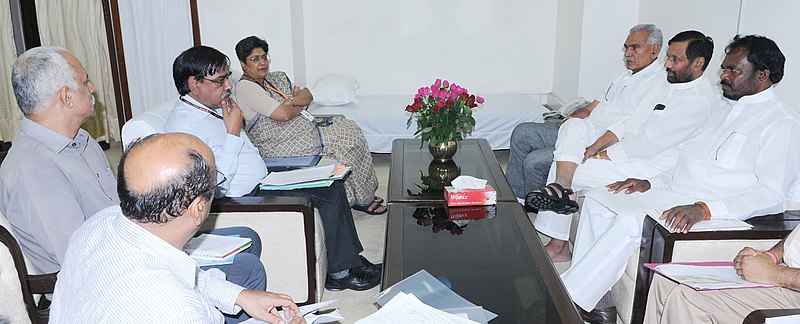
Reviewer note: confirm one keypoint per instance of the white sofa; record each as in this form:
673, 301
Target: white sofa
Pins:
294, 252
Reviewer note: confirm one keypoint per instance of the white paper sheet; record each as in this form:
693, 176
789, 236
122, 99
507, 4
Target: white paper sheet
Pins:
299, 175
706, 277
405, 308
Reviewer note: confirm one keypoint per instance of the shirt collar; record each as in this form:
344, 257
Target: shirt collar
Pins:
53, 139
760, 97
184, 267
652, 68
688, 85
198, 114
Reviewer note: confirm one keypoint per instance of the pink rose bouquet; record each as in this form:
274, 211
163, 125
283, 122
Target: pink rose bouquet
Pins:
443, 112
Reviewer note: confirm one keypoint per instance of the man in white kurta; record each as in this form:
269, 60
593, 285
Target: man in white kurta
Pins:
740, 166
649, 140
669, 302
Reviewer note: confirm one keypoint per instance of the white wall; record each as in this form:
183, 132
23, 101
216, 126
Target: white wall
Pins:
569, 26
498, 46
778, 21
605, 27
225, 23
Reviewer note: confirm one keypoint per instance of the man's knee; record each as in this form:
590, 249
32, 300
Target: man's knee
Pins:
251, 271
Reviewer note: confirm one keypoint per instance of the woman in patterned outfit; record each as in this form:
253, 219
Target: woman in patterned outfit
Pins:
278, 125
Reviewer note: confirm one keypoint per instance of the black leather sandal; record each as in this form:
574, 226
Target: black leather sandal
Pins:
548, 198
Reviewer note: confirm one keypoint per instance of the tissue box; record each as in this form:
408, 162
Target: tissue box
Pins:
470, 197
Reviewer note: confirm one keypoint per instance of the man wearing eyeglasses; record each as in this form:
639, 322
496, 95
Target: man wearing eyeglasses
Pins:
56, 176
126, 264
206, 110
742, 165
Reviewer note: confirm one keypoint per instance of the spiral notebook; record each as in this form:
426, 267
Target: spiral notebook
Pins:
209, 246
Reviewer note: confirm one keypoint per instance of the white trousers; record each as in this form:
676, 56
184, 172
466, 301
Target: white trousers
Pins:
606, 240
603, 245
574, 136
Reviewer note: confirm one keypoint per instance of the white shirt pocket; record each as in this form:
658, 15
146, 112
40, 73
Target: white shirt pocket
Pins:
728, 153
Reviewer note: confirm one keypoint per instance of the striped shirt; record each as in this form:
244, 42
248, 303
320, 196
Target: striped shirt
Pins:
116, 271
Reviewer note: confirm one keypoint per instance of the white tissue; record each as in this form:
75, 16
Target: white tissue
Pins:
468, 182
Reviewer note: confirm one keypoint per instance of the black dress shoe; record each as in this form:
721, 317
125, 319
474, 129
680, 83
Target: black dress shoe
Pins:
358, 279
371, 267
599, 315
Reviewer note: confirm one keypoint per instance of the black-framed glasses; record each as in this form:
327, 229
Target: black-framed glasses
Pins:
259, 58
221, 80
218, 185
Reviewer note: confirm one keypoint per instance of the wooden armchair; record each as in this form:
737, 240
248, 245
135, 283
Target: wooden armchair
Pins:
17, 286
760, 316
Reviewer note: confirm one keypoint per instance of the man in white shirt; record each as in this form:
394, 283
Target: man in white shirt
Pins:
649, 140
740, 166
125, 264
532, 144
206, 110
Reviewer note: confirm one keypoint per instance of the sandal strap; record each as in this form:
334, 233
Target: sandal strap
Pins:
565, 192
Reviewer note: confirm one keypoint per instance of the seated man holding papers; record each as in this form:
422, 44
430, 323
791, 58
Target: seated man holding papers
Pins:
206, 110
668, 302
125, 263
742, 165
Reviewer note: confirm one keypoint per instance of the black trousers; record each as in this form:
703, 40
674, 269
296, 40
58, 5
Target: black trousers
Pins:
341, 238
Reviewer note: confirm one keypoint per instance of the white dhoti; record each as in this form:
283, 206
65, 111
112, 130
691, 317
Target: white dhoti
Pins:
609, 231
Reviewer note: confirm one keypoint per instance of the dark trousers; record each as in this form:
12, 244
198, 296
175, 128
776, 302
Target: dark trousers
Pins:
246, 270
341, 237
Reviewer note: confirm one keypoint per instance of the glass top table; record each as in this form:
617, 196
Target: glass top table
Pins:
491, 256
414, 176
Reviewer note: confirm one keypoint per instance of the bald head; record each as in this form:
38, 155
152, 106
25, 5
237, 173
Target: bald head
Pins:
160, 176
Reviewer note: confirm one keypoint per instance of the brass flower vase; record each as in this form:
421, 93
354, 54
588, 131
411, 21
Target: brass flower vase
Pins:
442, 173
443, 151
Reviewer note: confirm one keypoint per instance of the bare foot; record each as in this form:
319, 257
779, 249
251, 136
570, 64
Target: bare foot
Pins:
558, 250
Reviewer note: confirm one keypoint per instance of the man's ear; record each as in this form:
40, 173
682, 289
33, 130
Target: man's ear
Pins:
197, 210
655, 50
66, 97
763, 76
698, 63
193, 83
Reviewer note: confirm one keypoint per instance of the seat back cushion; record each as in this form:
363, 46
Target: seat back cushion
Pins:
12, 307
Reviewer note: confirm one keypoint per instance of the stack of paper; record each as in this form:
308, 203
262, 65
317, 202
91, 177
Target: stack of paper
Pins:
705, 226
432, 292
209, 249
704, 275
405, 308
313, 177
287, 163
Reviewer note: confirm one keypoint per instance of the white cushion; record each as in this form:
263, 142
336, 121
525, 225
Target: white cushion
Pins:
335, 89
146, 123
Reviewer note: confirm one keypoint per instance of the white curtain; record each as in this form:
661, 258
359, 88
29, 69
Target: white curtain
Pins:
10, 116
154, 32
78, 26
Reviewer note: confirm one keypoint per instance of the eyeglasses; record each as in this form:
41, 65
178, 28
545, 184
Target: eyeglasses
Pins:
218, 185
221, 80
259, 58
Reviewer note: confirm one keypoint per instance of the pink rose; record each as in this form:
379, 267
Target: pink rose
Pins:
479, 100
446, 84
440, 103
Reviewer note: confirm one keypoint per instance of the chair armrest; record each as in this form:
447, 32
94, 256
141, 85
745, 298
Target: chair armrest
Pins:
760, 315
43, 283
262, 204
